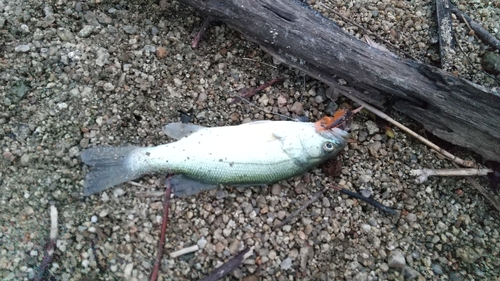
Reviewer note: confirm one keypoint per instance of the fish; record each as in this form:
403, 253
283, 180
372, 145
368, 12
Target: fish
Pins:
202, 158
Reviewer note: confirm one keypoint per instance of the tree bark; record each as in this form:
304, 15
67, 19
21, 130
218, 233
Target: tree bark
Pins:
450, 107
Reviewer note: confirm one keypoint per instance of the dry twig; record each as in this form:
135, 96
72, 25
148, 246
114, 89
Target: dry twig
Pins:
315, 197
384, 116
184, 251
490, 197
49, 251
161, 242
247, 93
423, 174
200, 33
318, 194
370, 201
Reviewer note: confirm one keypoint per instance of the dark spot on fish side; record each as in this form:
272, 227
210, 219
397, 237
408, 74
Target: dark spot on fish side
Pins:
148, 154
220, 160
231, 164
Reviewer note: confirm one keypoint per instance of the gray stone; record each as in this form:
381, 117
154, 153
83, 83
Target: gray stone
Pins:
25, 160
65, 34
437, 269
22, 48
410, 274
374, 147
104, 19
396, 259
371, 127
491, 63
86, 31
286, 264
130, 29
108, 87
411, 217
276, 189
24, 28
297, 108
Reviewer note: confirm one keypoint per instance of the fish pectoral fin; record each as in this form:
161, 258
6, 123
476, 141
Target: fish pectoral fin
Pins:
179, 130
183, 186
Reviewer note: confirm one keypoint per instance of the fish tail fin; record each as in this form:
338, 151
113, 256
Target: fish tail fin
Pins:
107, 167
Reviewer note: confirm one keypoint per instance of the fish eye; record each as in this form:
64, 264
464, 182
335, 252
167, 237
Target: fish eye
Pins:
328, 146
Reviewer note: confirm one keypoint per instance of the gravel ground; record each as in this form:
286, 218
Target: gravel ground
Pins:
80, 74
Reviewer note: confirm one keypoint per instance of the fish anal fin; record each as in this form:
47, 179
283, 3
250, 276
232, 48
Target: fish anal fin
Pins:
183, 186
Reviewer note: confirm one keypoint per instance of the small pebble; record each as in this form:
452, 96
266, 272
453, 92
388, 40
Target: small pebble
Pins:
276, 189
22, 48
297, 108
396, 259
161, 53
286, 264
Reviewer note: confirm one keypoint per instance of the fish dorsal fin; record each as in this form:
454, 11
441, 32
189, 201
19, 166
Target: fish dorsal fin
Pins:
180, 130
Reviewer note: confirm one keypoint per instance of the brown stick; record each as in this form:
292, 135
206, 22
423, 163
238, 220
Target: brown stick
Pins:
204, 26
161, 243
247, 93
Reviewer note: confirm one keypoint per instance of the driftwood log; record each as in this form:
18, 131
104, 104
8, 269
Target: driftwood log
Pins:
450, 107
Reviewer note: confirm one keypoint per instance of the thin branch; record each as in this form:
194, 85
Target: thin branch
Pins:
247, 93
459, 161
490, 197
314, 198
138, 184
318, 194
423, 174
184, 251
200, 33
482, 33
370, 201
146, 194
229, 266
49, 251
161, 242
261, 62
